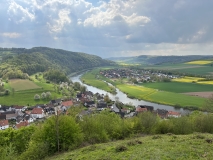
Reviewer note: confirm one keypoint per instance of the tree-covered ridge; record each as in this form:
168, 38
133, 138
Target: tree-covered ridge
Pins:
40, 59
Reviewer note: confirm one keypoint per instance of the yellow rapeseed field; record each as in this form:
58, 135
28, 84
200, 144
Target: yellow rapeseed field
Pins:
187, 79
199, 62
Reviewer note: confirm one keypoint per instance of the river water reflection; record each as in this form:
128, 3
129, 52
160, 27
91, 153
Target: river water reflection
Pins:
124, 99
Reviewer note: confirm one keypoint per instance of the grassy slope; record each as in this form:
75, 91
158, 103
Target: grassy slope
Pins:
183, 147
179, 87
26, 97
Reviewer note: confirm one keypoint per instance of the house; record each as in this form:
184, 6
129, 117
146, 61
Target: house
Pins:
125, 110
22, 124
162, 113
140, 110
37, 113
17, 108
4, 124
101, 105
2, 116
90, 104
149, 108
67, 103
115, 109
56, 102
174, 114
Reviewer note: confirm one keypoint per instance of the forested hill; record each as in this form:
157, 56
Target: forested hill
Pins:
145, 59
40, 59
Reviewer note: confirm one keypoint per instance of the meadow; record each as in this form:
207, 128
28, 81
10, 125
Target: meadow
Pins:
180, 87
26, 96
93, 78
191, 147
162, 97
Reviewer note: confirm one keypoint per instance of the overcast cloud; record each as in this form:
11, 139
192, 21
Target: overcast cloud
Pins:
109, 27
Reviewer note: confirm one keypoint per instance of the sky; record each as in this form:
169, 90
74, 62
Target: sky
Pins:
109, 28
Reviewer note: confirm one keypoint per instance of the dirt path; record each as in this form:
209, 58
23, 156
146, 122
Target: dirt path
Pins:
200, 94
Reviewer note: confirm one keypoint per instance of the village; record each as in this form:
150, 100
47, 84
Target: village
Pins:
138, 75
20, 116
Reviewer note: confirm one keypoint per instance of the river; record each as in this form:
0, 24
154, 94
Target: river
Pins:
124, 99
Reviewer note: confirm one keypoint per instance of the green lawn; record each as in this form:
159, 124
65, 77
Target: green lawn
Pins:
161, 97
179, 87
157, 147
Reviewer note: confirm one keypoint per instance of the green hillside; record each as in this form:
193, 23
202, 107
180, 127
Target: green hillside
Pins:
168, 146
40, 59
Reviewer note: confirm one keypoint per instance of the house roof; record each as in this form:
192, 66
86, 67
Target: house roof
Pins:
22, 124
4, 122
2, 117
37, 111
18, 107
139, 109
67, 103
173, 113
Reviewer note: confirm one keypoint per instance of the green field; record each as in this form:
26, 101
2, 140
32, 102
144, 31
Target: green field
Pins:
184, 68
25, 97
92, 79
162, 97
157, 147
22, 84
179, 87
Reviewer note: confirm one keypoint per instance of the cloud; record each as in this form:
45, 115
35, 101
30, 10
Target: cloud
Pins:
109, 27
11, 35
63, 19
19, 13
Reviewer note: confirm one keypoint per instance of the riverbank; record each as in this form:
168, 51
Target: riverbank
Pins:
93, 78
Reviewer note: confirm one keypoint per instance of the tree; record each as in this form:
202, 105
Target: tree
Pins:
60, 133
43, 95
48, 95
36, 97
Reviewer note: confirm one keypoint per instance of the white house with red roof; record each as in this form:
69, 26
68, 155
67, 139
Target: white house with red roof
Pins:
174, 114
22, 124
4, 124
37, 113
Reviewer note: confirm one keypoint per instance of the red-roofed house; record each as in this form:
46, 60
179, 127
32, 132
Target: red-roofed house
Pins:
38, 113
139, 109
174, 114
67, 103
4, 124
22, 124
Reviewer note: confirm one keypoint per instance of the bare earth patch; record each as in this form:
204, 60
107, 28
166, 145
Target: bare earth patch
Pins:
200, 94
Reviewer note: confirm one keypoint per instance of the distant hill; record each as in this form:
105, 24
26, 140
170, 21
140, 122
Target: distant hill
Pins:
40, 59
145, 59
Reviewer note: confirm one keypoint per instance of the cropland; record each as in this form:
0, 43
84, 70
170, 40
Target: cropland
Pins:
25, 90
22, 84
191, 147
